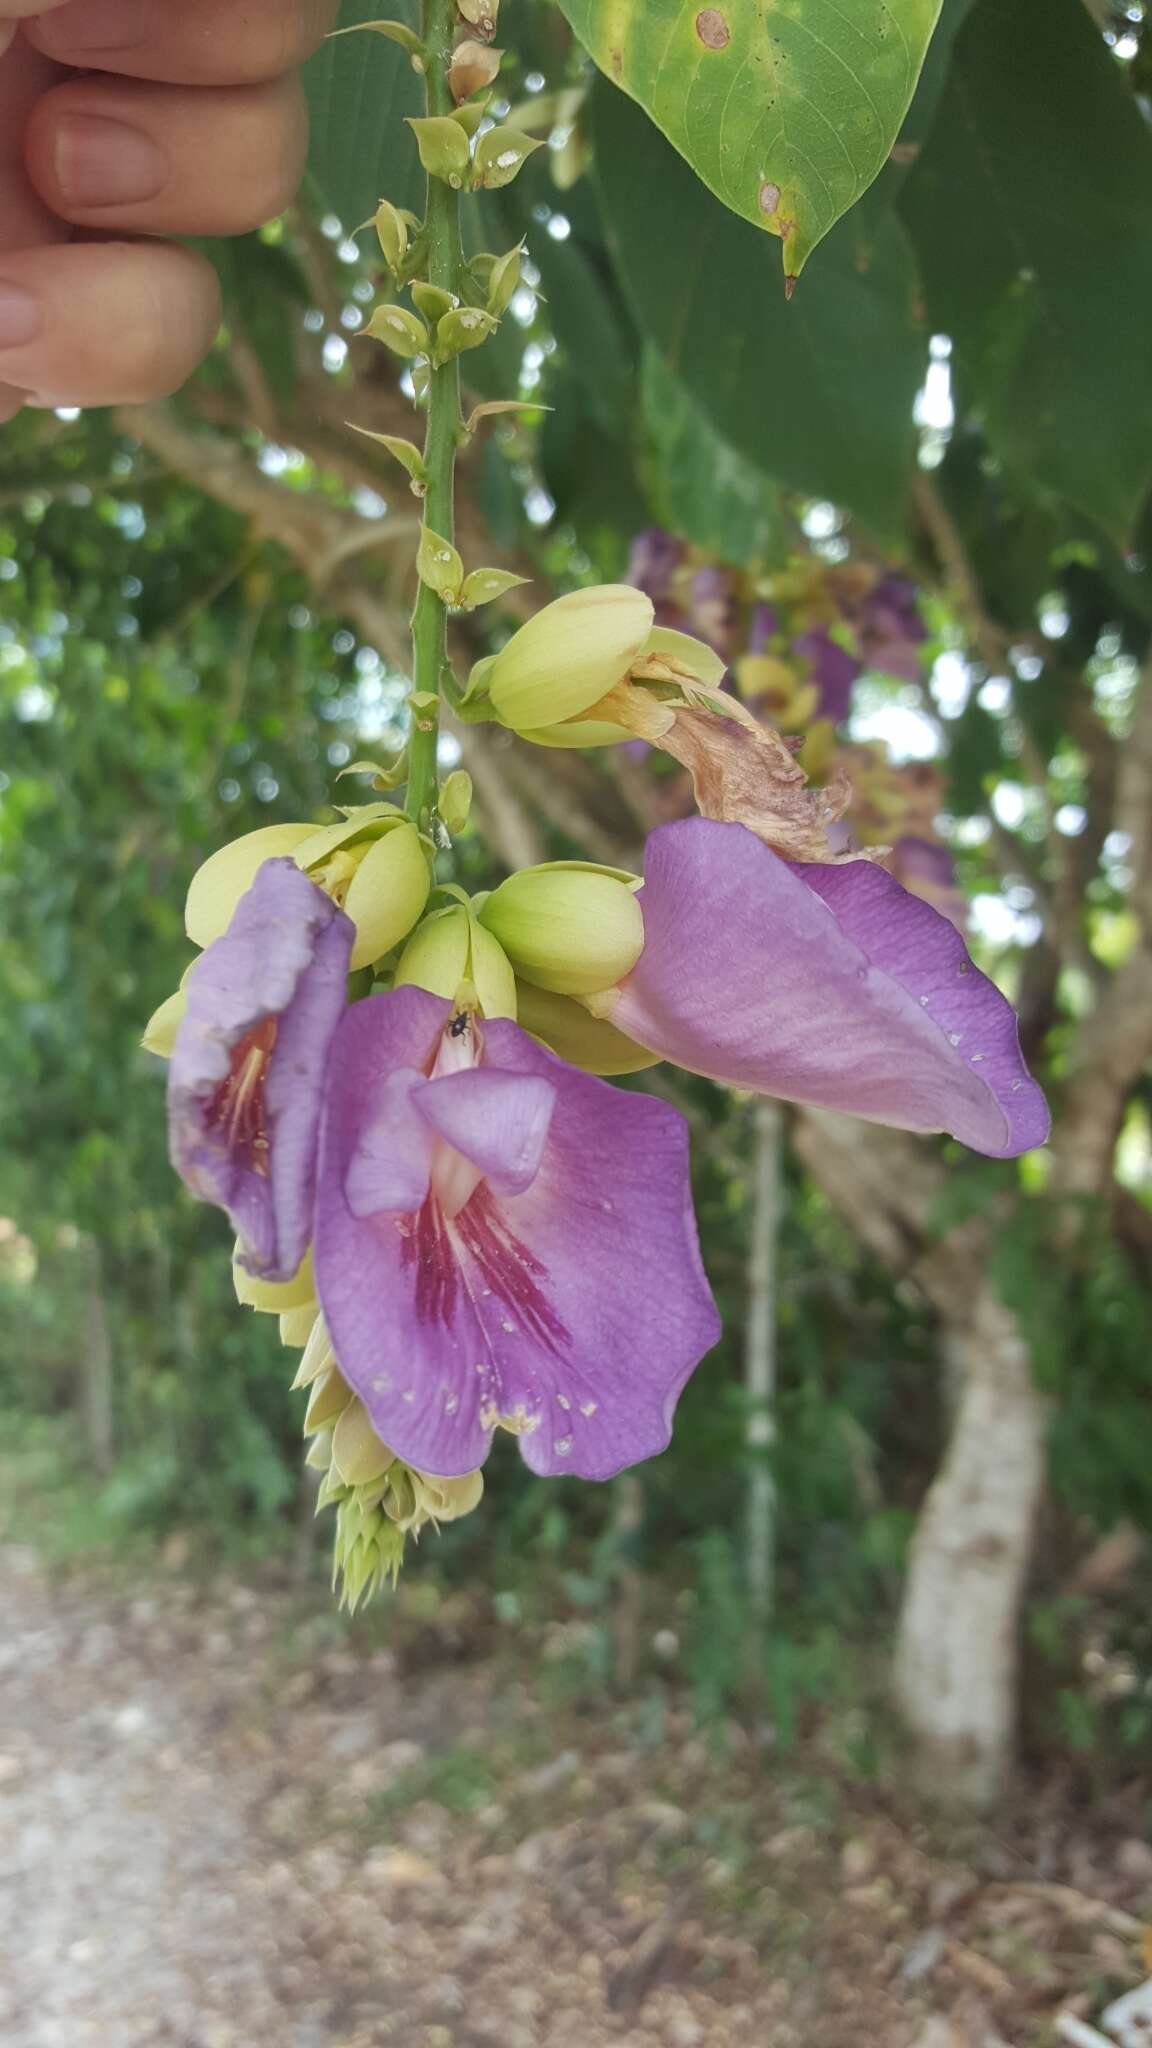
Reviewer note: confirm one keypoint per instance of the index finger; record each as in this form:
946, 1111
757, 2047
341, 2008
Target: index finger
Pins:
183, 42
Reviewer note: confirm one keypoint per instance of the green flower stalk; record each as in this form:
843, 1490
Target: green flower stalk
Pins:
445, 263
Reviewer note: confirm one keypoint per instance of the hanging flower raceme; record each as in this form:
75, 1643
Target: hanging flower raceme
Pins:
262, 1006
502, 1241
825, 984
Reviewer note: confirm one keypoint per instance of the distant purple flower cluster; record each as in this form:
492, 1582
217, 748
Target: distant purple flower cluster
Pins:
834, 620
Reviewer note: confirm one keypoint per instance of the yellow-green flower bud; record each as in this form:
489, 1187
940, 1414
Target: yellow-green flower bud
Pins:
568, 1029
392, 235
453, 956
445, 1500
375, 867
566, 926
297, 1324
329, 1398
372, 864
162, 1026
567, 657
679, 657
317, 1355
455, 800
357, 1452
229, 873
275, 1297
436, 956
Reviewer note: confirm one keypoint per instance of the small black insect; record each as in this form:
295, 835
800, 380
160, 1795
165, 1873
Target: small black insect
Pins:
459, 1024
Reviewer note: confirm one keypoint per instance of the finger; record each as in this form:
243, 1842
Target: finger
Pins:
104, 323
186, 42
159, 159
24, 219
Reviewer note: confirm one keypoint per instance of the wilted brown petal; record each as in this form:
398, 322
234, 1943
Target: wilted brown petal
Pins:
742, 772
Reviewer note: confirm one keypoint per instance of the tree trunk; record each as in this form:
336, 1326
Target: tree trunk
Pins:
760, 1360
97, 1371
957, 1650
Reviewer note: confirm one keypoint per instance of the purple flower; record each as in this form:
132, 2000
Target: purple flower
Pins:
833, 670
711, 609
892, 630
822, 984
502, 1239
653, 560
763, 628
247, 1072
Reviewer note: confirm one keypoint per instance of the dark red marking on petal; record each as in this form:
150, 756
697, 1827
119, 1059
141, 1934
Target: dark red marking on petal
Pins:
236, 1111
508, 1269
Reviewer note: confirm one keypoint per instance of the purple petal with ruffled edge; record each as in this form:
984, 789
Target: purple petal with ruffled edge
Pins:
246, 1080
574, 1311
822, 984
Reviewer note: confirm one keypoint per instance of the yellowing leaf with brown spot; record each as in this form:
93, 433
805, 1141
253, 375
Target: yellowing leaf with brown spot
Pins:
787, 109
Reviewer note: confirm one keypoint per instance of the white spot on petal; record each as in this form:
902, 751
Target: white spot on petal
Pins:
562, 1446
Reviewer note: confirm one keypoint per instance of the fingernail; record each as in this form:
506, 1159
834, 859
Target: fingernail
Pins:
93, 25
19, 316
105, 163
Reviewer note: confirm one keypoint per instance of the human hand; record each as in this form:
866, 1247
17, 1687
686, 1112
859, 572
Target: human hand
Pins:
122, 121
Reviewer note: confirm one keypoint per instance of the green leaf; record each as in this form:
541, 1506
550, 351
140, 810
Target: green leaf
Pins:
818, 394
360, 88
918, 121
787, 109
704, 488
1031, 211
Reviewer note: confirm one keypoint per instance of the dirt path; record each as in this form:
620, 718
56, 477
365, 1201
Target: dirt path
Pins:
223, 1826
